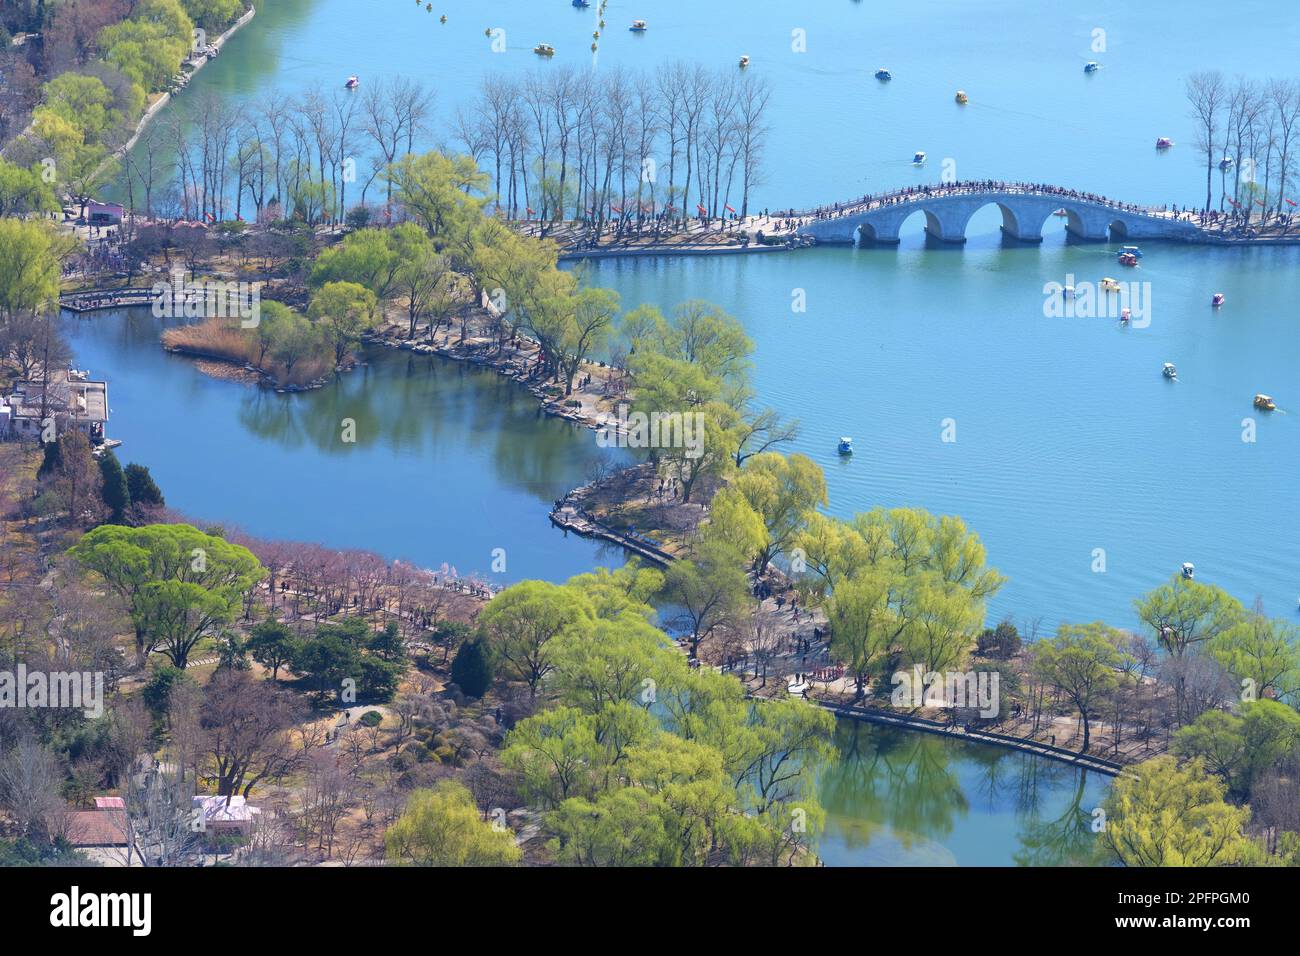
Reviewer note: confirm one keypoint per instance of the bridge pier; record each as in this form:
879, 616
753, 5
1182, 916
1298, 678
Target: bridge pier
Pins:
879, 234
1088, 234
938, 234
1090, 225
1018, 236
947, 224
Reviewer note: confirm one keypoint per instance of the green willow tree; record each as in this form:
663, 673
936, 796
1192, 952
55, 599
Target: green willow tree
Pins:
1083, 662
901, 586
1162, 814
441, 826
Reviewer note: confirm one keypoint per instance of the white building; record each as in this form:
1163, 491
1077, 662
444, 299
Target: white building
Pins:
70, 398
220, 816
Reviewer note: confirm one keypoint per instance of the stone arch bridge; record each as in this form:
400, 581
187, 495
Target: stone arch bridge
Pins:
1025, 208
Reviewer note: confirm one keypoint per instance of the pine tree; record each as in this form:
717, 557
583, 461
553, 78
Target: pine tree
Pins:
471, 669
141, 486
117, 496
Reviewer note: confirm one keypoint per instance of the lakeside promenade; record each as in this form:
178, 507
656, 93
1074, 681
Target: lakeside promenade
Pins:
948, 207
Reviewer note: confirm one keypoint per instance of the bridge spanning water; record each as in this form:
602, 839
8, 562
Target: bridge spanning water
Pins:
1025, 208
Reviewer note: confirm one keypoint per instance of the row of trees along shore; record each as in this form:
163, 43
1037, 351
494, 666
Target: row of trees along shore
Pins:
621, 147
1254, 124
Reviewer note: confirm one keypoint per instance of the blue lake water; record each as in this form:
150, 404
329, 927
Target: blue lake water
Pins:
1068, 439
449, 464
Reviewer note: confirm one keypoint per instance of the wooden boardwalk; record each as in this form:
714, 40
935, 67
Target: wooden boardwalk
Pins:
95, 300
569, 518
1098, 764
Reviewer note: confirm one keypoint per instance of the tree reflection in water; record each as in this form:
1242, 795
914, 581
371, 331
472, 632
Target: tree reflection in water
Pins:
894, 796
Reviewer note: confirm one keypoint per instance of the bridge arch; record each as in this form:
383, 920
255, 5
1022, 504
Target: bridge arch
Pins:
1021, 221
943, 222
1118, 229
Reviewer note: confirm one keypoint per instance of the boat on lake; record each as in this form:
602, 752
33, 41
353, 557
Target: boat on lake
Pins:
1128, 259
846, 445
1217, 299
1226, 163
1189, 570
744, 61
1092, 66
884, 74
918, 157
1163, 142
1109, 284
544, 49
638, 26
1264, 403
1131, 250
1168, 371
352, 83
961, 98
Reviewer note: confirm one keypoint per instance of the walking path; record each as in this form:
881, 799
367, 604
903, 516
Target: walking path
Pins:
1087, 761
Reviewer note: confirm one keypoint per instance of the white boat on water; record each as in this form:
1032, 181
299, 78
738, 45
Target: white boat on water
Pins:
1168, 371
846, 445
352, 83
638, 26
918, 157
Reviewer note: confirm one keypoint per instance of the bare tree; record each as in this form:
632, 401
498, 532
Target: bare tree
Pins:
1207, 93
31, 777
247, 721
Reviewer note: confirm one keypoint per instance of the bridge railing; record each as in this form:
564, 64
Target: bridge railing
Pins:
870, 202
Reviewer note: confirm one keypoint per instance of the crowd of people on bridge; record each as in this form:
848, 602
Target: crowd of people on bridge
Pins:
1240, 222
910, 194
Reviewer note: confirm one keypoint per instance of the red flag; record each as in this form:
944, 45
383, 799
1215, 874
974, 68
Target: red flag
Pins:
1289, 202
1260, 203
731, 210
